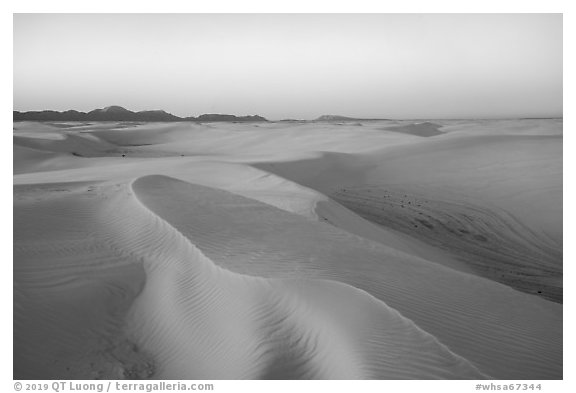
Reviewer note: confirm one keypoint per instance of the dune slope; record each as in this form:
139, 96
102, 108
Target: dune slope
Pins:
148, 303
249, 237
491, 202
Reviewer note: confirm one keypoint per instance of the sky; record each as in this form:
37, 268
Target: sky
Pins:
402, 66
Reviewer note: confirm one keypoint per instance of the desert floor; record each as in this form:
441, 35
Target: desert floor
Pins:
288, 250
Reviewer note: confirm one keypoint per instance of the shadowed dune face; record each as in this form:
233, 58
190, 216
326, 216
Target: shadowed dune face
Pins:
287, 251
493, 202
491, 241
425, 129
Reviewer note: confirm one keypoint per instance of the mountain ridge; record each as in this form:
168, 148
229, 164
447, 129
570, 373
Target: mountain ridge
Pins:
118, 113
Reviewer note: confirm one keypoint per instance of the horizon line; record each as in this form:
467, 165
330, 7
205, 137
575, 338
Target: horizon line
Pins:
352, 118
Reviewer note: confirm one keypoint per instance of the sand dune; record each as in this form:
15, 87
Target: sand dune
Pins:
279, 244
494, 202
283, 251
425, 129
181, 316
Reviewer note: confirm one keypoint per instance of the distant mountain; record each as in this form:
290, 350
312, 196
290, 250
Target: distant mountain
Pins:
49, 116
157, 116
342, 118
113, 109
211, 117
112, 113
118, 113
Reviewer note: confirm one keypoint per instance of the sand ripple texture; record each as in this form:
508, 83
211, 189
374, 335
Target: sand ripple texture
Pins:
191, 318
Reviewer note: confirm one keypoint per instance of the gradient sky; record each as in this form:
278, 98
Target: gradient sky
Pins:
292, 65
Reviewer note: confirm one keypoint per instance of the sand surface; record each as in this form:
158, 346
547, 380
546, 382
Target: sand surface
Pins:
288, 250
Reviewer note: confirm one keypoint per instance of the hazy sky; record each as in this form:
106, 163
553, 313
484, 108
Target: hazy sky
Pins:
292, 65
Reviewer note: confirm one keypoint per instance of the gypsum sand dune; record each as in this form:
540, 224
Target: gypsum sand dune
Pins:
493, 203
136, 299
425, 129
489, 241
261, 263
404, 170
235, 177
187, 173
505, 333
81, 144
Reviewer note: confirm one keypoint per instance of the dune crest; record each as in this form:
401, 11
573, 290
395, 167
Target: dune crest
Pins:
283, 328
177, 325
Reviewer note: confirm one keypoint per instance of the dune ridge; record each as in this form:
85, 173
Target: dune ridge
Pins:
296, 248
176, 324
302, 331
